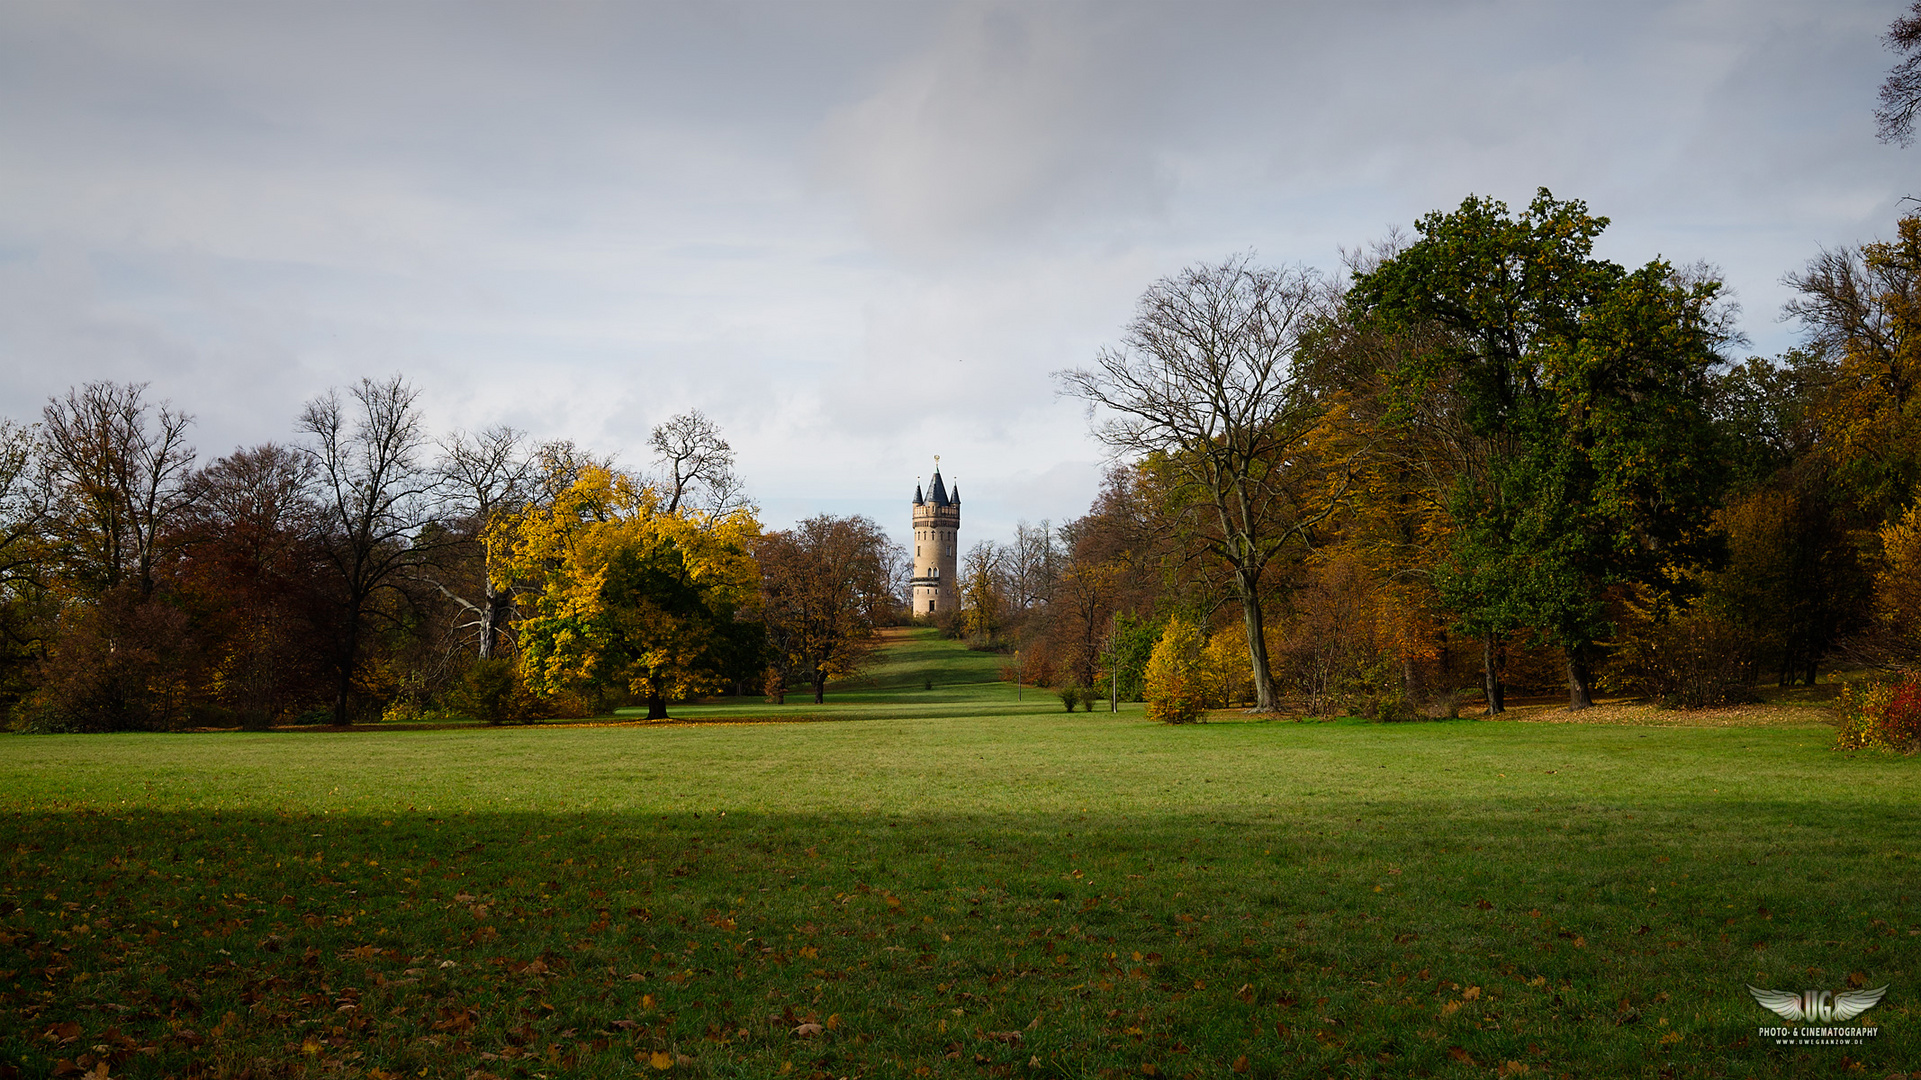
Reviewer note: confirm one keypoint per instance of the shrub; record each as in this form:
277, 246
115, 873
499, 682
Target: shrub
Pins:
1446, 705
1390, 709
1882, 714
1175, 682
1688, 660
410, 710
491, 691
1089, 695
1070, 697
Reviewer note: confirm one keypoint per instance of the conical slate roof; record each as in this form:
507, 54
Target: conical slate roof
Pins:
939, 494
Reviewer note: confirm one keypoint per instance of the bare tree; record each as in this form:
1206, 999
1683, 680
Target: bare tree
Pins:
485, 474
1033, 563
1901, 91
259, 571
375, 492
119, 469
1205, 377
983, 589
697, 464
557, 466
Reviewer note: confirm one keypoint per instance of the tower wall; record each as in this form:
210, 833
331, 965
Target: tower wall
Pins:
935, 586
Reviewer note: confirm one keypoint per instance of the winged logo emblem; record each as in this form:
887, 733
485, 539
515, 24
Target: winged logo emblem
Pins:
1820, 1006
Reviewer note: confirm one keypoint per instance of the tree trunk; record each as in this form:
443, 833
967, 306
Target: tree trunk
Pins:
820, 687
1580, 684
656, 703
1814, 661
494, 606
1264, 698
1491, 676
349, 648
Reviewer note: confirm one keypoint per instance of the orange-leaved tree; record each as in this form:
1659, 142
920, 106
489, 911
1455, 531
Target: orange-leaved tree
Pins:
632, 599
827, 584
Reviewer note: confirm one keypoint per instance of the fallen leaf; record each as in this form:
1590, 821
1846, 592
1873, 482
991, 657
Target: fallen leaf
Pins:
807, 1031
661, 1060
1460, 1055
1240, 1064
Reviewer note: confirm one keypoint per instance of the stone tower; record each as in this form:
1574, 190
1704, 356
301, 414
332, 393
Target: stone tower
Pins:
936, 584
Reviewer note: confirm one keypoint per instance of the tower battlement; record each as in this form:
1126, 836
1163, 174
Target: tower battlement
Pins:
935, 586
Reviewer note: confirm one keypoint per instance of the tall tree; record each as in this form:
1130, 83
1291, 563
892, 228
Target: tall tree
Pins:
1205, 378
255, 568
697, 466
1861, 313
375, 492
826, 587
1586, 387
119, 468
485, 475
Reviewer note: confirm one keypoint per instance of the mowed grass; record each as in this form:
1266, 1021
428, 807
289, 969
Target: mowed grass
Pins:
1014, 891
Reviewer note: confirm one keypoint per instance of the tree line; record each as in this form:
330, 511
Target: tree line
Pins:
370, 569
1479, 460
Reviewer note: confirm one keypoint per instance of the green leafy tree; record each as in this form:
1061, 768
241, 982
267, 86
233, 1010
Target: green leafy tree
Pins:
1128, 650
1585, 388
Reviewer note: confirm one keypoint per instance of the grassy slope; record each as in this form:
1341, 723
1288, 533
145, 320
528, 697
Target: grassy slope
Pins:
1320, 898
964, 683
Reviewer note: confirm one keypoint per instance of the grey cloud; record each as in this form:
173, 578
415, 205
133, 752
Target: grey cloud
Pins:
856, 234
1016, 117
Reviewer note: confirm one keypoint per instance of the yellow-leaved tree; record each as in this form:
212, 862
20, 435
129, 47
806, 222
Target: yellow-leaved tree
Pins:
1175, 682
631, 600
1230, 678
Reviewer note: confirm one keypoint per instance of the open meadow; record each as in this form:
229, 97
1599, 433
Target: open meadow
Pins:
948, 882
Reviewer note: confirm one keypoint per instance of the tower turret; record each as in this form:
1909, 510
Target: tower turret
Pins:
936, 583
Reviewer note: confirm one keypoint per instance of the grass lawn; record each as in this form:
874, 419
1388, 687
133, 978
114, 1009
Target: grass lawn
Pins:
949, 883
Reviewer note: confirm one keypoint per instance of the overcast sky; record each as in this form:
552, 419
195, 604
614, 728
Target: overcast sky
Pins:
857, 235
